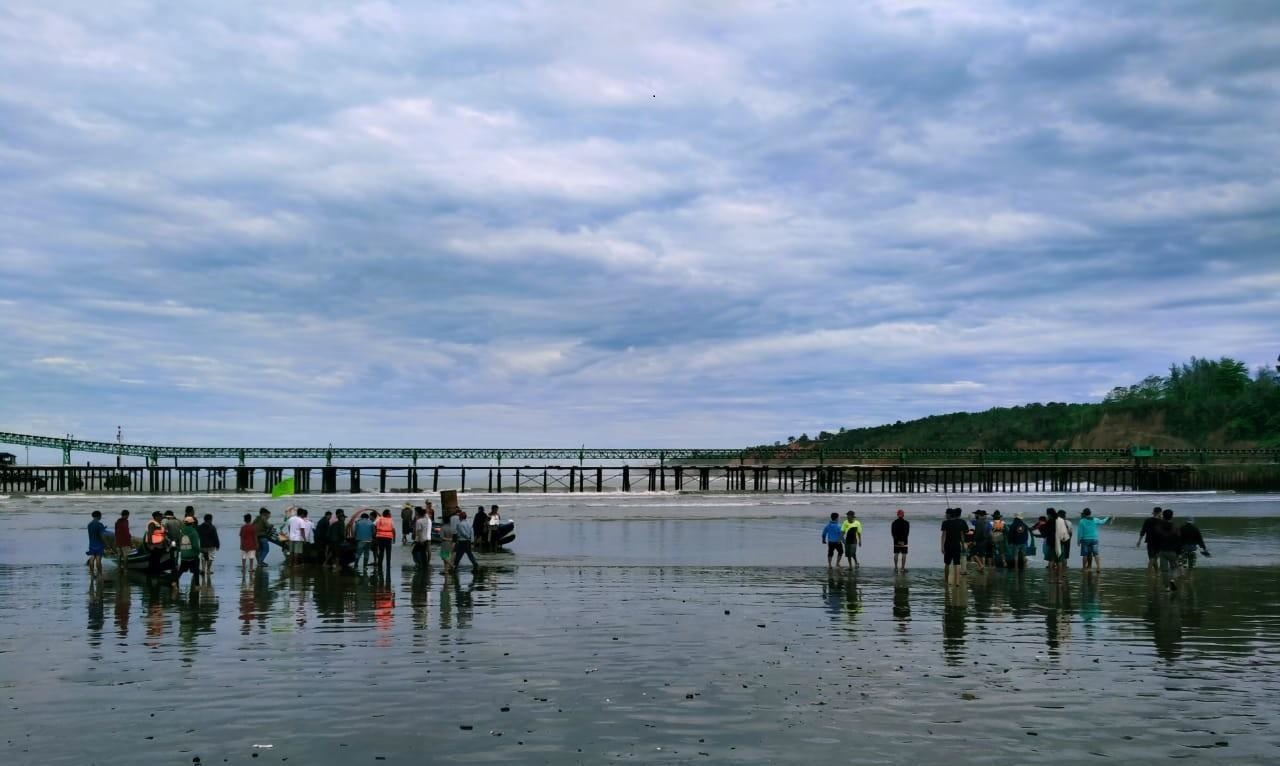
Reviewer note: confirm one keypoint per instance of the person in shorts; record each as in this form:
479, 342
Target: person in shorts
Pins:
1191, 538
832, 536
97, 544
248, 544
851, 534
900, 531
954, 529
209, 545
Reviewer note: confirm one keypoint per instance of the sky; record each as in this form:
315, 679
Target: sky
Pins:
707, 224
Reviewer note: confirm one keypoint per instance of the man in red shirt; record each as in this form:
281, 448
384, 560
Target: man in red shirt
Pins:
248, 544
124, 538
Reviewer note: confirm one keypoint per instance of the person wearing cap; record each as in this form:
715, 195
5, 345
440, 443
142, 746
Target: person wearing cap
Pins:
851, 534
1087, 534
188, 552
1018, 535
900, 531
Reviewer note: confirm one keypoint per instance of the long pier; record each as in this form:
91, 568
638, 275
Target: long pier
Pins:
837, 479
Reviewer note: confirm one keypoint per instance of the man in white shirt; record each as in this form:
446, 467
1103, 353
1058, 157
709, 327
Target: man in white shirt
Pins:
300, 533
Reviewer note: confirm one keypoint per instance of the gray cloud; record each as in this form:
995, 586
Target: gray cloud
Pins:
641, 223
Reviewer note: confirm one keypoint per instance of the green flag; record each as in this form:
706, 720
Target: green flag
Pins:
284, 487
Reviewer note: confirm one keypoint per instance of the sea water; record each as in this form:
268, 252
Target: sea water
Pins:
648, 628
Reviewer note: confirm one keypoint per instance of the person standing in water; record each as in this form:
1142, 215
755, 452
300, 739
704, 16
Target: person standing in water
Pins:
157, 543
463, 534
1087, 533
851, 533
188, 552
832, 536
406, 524
209, 545
1191, 538
900, 530
97, 544
262, 525
384, 534
954, 530
124, 538
248, 544
1153, 551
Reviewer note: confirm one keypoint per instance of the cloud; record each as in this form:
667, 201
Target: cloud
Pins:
646, 223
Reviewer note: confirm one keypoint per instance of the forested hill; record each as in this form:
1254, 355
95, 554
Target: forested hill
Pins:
1202, 403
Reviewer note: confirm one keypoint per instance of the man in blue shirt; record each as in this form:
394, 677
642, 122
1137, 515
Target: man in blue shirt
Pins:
1087, 534
832, 536
364, 539
97, 545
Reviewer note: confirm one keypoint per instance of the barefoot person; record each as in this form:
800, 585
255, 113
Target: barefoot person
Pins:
124, 538
248, 544
900, 530
851, 532
832, 536
209, 545
954, 529
1087, 534
97, 544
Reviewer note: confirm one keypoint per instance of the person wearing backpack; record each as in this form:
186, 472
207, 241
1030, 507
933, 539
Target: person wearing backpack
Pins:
188, 552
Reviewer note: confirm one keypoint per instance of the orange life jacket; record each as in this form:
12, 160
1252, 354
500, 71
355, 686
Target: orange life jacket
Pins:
155, 533
384, 528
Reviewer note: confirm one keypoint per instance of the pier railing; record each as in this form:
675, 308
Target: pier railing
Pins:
826, 478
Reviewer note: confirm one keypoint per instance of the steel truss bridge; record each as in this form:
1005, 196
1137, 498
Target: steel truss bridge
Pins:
814, 454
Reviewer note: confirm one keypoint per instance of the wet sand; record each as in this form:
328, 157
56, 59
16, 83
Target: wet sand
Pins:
581, 651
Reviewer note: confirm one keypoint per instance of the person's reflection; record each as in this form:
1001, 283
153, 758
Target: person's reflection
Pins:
833, 594
97, 615
248, 603
1057, 614
1164, 616
1019, 598
123, 604
154, 600
263, 597
456, 605
196, 615
901, 601
852, 598
1090, 600
384, 602
954, 613
420, 599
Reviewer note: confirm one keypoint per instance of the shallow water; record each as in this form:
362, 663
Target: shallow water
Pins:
658, 629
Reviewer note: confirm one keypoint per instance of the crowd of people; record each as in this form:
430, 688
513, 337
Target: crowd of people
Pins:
992, 541
174, 547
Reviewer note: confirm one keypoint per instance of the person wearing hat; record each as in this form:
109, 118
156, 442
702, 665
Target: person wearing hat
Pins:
900, 530
1018, 535
188, 552
851, 533
1087, 534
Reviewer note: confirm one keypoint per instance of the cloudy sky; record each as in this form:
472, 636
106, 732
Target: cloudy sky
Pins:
621, 224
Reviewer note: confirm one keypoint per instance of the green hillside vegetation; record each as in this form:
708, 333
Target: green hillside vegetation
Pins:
1202, 403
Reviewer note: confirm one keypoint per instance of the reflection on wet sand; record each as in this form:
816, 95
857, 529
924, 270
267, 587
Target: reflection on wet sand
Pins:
762, 665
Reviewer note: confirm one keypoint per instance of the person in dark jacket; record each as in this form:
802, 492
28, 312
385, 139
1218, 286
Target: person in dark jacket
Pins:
1191, 538
1168, 544
208, 545
480, 527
